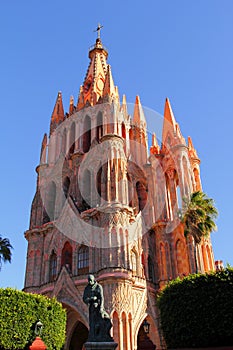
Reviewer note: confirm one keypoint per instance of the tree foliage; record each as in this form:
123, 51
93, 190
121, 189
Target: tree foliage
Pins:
198, 216
19, 313
197, 311
5, 250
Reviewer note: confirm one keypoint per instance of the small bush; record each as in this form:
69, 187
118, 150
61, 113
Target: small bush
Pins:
197, 311
19, 313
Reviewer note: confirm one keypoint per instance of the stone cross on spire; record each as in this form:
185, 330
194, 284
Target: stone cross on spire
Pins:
98, 30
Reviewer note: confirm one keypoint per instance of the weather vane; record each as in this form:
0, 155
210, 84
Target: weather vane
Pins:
98, 30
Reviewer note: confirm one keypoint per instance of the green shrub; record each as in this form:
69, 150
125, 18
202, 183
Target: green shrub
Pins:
19, 313
197, 311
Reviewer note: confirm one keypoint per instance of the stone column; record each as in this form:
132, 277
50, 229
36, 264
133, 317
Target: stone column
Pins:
121, 334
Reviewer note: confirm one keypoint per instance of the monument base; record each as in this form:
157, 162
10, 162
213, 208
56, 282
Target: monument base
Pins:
100, 345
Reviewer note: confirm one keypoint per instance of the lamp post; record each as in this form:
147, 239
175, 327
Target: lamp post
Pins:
38, 343
38, 328
146, 326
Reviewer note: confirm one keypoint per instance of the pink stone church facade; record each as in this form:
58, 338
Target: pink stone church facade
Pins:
106, 204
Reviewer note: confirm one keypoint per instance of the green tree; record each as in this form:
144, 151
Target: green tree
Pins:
198, 215
19, 313
5, 250
196, 311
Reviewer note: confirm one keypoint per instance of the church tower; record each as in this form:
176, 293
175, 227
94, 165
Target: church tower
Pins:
106, 205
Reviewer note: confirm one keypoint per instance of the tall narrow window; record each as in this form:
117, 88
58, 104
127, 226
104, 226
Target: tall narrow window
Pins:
66, 259
99, 127
53, 266
142, 195
85, 188
168, 198
87, 134
151, 269
98, 184
72, 138
50, 203
186, 176
113, 180
134, 262
83, 259
123, 131
63, 142
66, 186
178, 195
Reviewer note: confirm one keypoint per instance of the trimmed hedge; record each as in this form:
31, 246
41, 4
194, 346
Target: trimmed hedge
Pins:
19, 312
197, 311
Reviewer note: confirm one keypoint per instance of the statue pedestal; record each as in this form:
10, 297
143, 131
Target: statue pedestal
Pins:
100, 345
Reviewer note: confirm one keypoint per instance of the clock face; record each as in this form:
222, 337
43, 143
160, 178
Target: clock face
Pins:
100, 84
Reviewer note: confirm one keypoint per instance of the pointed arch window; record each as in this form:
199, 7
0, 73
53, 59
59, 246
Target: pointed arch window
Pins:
53, 266
72, 138
99, 127
87, 134
168, 198
63, 145
123, 131
142, 195
86, 190
83, 260
197, 179
66, 259
151, 271
66, 186
49, 210
134, 262
168, 260
186, 188
178, 191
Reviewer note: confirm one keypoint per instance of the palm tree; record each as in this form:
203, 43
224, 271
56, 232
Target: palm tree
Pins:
198, 216
5, 250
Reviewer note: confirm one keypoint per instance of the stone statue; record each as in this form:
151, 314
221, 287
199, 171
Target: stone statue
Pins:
99, 320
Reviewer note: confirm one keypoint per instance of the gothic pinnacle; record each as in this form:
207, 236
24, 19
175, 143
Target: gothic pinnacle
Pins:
138, 115
169, 123
58, 115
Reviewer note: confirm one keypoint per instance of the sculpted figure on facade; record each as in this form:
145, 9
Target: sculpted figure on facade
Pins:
99, 320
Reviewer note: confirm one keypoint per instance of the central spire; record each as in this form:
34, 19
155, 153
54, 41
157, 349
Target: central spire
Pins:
98, 82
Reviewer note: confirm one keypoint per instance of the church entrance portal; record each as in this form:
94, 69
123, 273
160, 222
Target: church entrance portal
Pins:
79, 337
143, 341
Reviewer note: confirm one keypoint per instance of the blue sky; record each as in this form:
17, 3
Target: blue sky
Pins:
180, 49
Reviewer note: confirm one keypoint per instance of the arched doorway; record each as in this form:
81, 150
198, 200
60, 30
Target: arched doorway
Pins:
143, 341
79, 337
